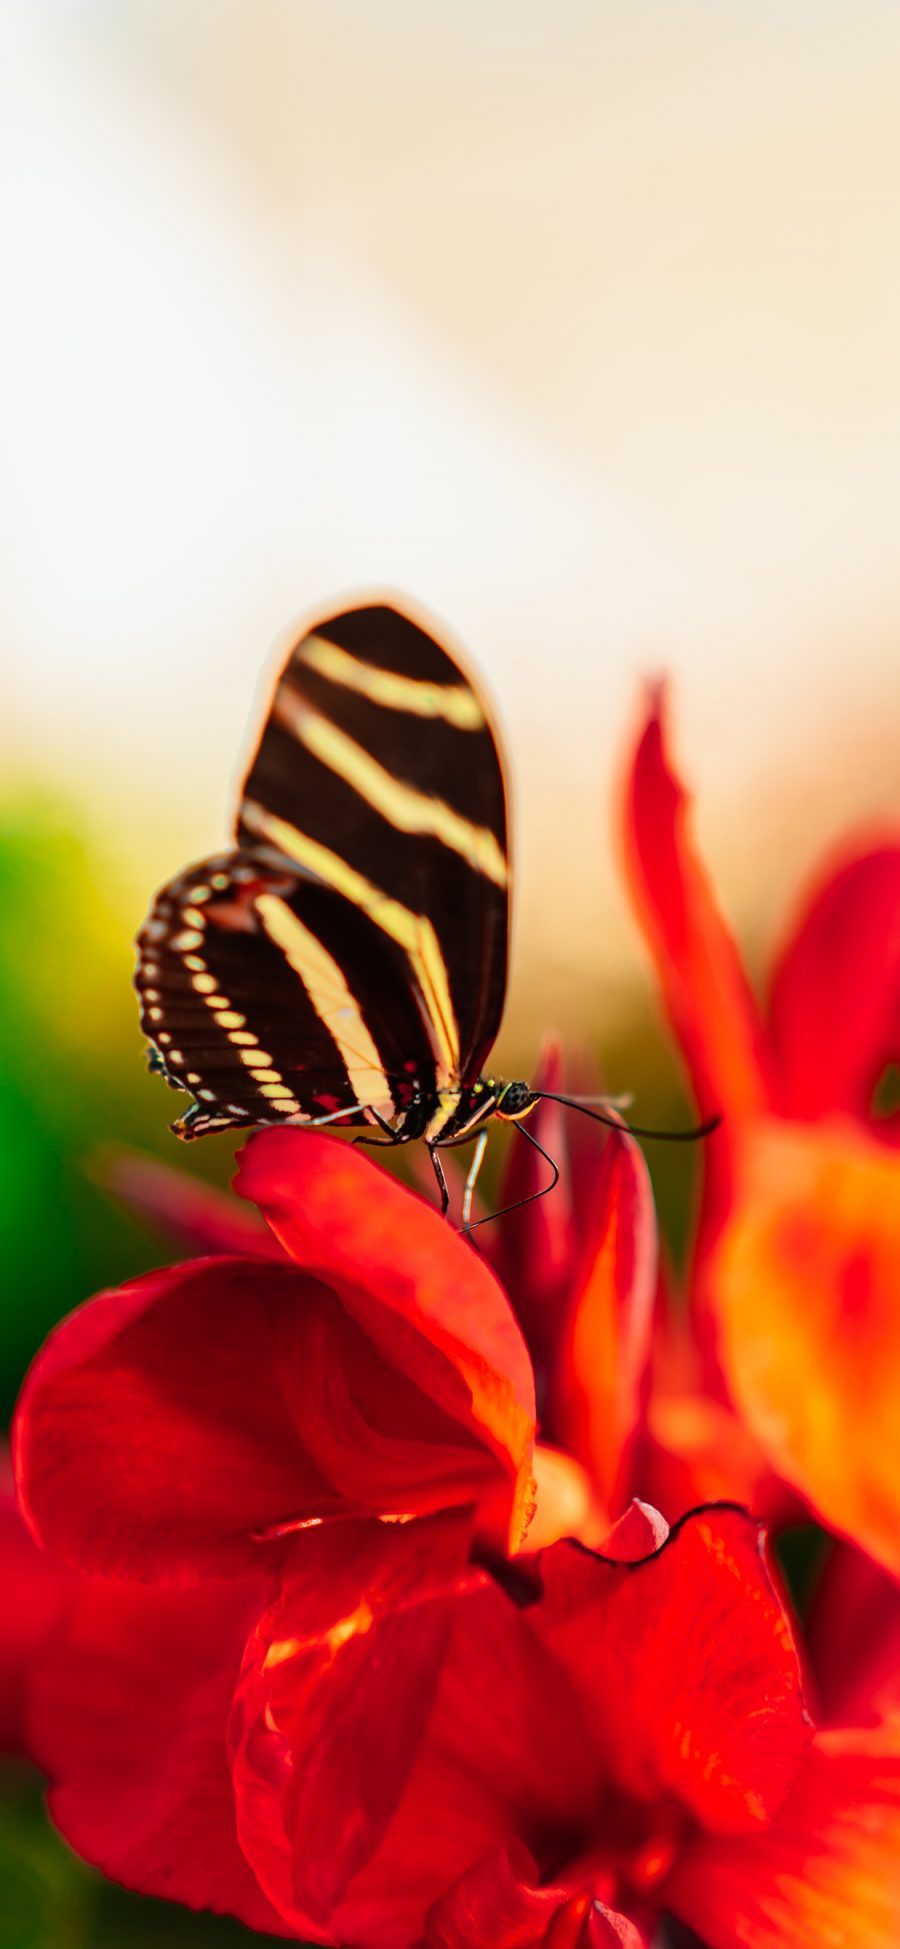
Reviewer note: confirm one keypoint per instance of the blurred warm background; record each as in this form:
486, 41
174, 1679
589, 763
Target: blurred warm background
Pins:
577, 323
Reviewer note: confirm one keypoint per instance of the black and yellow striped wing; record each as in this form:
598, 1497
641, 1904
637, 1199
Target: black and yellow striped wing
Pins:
351, 952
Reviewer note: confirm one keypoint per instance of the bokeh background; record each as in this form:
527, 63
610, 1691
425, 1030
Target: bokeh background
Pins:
578, 323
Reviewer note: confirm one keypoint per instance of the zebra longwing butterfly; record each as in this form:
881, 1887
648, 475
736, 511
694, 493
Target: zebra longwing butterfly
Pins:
346, 962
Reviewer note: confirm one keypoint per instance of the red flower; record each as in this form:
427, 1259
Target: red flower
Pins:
337, 1725
796, 1271
194, 1423
619, 1738
317, 1681
593, 1727
35, 1588
220, 1419
112, 1690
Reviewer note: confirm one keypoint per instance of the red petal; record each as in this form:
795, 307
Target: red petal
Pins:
608, 1930
337, 1686
707, 995
596, 1725
607, 1343
338, 1213
127, 1713
502, 1753
534, 1249
835, 1004
805, 1285
192, 1214
169, 1430
35, 1588
854, 1639
583, 1722
684, 1667
826, 1871
495, 1905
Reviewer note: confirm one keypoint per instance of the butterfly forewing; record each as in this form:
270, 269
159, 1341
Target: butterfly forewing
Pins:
378, 771
351, 953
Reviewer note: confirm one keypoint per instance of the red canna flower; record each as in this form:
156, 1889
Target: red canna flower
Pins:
196, 1422
616, 1739
293, 1694
576, 1747
218, 1420
796, 1267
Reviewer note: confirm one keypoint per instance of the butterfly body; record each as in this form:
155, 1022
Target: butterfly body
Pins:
454, 1115
346, 961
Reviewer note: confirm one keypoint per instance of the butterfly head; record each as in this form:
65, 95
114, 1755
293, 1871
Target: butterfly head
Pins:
515, 1102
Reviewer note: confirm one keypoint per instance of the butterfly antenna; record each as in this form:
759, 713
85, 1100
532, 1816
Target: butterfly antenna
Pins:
583, 1106
532, 1195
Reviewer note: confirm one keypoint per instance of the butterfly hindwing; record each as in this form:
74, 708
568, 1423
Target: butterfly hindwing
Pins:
245, 980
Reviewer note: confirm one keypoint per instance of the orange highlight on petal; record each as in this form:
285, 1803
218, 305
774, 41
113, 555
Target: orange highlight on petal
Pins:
806, 1288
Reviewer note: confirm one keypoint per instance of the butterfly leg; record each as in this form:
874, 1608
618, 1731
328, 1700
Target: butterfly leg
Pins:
472, 1179
390, 1137
443, 1186
532, 1195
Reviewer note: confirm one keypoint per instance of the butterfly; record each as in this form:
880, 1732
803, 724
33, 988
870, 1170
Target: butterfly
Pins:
346, 961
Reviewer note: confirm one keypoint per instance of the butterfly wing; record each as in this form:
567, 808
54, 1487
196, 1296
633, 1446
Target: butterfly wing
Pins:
244, 977
352, 952
378, 774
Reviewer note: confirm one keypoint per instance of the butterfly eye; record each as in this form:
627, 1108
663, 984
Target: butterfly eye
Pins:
515, 1102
